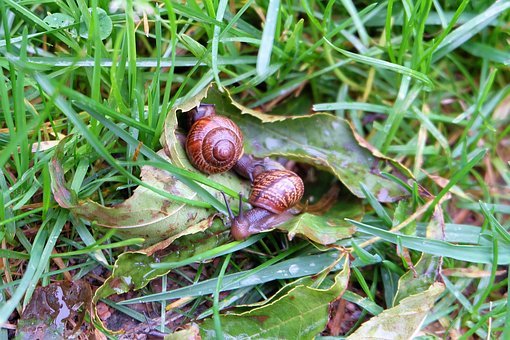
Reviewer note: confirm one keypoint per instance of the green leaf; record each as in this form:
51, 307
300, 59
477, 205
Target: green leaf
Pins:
195, 47
301, 313
58, 20
327, 228
402, 321
466, 31
317, 228
347, 156
104, 22
488, 52
266, 45
497, 228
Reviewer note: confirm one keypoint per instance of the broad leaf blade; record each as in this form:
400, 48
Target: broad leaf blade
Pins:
326, 228
301, 313
332, 146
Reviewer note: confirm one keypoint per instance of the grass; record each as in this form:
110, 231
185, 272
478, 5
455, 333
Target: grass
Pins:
425, 82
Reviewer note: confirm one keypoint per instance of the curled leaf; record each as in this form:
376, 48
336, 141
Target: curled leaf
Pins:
133, 271
322, 140
145, 214
320, 229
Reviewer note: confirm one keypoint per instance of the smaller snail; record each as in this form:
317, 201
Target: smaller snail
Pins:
214, 143
273, 193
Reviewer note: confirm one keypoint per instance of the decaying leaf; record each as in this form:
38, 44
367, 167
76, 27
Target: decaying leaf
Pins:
403, 320
426, 270
320, 229
300, 312
133, 271
145, 214
55, 311
331, 146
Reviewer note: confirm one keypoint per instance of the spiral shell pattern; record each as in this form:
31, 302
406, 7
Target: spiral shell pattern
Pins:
276, 190
214, 144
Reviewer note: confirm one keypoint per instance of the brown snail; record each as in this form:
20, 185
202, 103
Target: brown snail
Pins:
214, 143
273, 193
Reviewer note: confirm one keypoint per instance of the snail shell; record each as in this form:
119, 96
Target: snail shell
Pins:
214, 144
276, 190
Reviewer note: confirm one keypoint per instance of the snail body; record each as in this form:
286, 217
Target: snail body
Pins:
250, 167
273, 193
214, 143
254, 221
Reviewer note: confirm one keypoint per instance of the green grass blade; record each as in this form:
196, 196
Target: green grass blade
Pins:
476, 254
66, 108
222, 6
469, 29
35, 255
384, 65
266, 46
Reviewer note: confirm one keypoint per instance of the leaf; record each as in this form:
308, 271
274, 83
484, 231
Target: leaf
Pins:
58, 20
169, 138
133, 271
53, 309
470, 28
317, 228
382, 64
266, 44
325, 229
301, 313
402, 321
145, 214
105, 24
332, 147
194, 47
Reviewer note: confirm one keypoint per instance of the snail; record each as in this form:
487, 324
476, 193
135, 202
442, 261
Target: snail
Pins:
214, 143
273, 193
